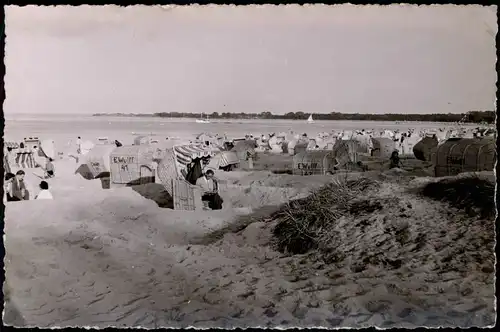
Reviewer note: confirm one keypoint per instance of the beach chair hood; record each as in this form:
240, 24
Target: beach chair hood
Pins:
96, 163
86, 146
47, 148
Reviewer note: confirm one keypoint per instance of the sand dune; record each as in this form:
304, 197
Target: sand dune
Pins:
100, 258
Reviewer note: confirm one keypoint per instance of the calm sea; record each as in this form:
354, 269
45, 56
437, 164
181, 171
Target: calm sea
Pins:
68, 127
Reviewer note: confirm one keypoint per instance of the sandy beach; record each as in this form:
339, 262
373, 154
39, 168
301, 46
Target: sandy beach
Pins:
101, 258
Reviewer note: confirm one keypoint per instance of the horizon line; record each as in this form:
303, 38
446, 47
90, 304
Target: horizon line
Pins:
256, 113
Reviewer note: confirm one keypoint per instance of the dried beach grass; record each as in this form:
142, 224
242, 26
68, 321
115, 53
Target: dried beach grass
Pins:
473, 194
310, 223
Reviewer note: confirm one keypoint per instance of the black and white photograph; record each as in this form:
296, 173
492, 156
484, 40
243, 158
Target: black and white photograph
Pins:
272, 166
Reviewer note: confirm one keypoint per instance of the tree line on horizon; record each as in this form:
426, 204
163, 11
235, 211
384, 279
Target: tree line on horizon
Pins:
471, 117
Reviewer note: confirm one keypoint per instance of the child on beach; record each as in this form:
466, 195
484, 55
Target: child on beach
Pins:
44, 191
49, 168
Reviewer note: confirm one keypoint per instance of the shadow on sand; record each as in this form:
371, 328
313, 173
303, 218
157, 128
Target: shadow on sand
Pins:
144, 186
11, 315
155, 192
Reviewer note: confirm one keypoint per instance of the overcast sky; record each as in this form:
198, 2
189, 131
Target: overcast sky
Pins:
366, 59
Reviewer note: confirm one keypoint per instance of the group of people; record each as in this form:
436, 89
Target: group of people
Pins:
198, 174
15, 188
210, 190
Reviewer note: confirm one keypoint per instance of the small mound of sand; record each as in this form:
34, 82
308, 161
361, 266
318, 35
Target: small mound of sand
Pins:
330, 218
310, 223
255, 196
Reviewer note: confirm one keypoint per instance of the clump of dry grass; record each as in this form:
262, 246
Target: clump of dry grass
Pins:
473, 194
310, 223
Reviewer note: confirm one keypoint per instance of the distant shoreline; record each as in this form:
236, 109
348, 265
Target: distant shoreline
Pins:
487, 117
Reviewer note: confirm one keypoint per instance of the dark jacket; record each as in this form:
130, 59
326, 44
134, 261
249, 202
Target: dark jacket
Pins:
194, 172
17, 187
395, 162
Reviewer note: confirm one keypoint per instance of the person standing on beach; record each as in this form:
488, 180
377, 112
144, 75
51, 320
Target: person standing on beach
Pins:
19, 155
19, 191
11, 156
210, 190
79, 145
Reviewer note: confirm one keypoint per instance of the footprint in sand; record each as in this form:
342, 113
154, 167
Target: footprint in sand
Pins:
253, 281
334, 322
377, 306
341, 309
226, 284
40, 241
246, 295
54, 266
26, 272
405, 313
300, 312
238, 313
59, 293
270, 312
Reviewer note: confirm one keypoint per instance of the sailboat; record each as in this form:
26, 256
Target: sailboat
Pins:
310, 119
201, 120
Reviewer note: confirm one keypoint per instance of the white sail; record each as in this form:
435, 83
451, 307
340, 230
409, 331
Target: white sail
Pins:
201, 120
310, 119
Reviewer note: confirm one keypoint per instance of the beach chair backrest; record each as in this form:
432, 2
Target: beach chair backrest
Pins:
185, 196
168, 170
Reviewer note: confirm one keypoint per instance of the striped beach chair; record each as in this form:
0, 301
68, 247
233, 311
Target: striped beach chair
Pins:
11, 145
25, 159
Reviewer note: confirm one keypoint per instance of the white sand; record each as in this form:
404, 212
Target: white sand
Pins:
101, 258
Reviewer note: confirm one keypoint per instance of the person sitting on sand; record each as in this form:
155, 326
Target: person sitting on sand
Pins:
44, 191
49, 168
7, 187
19, 191
395, 161
210, 190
